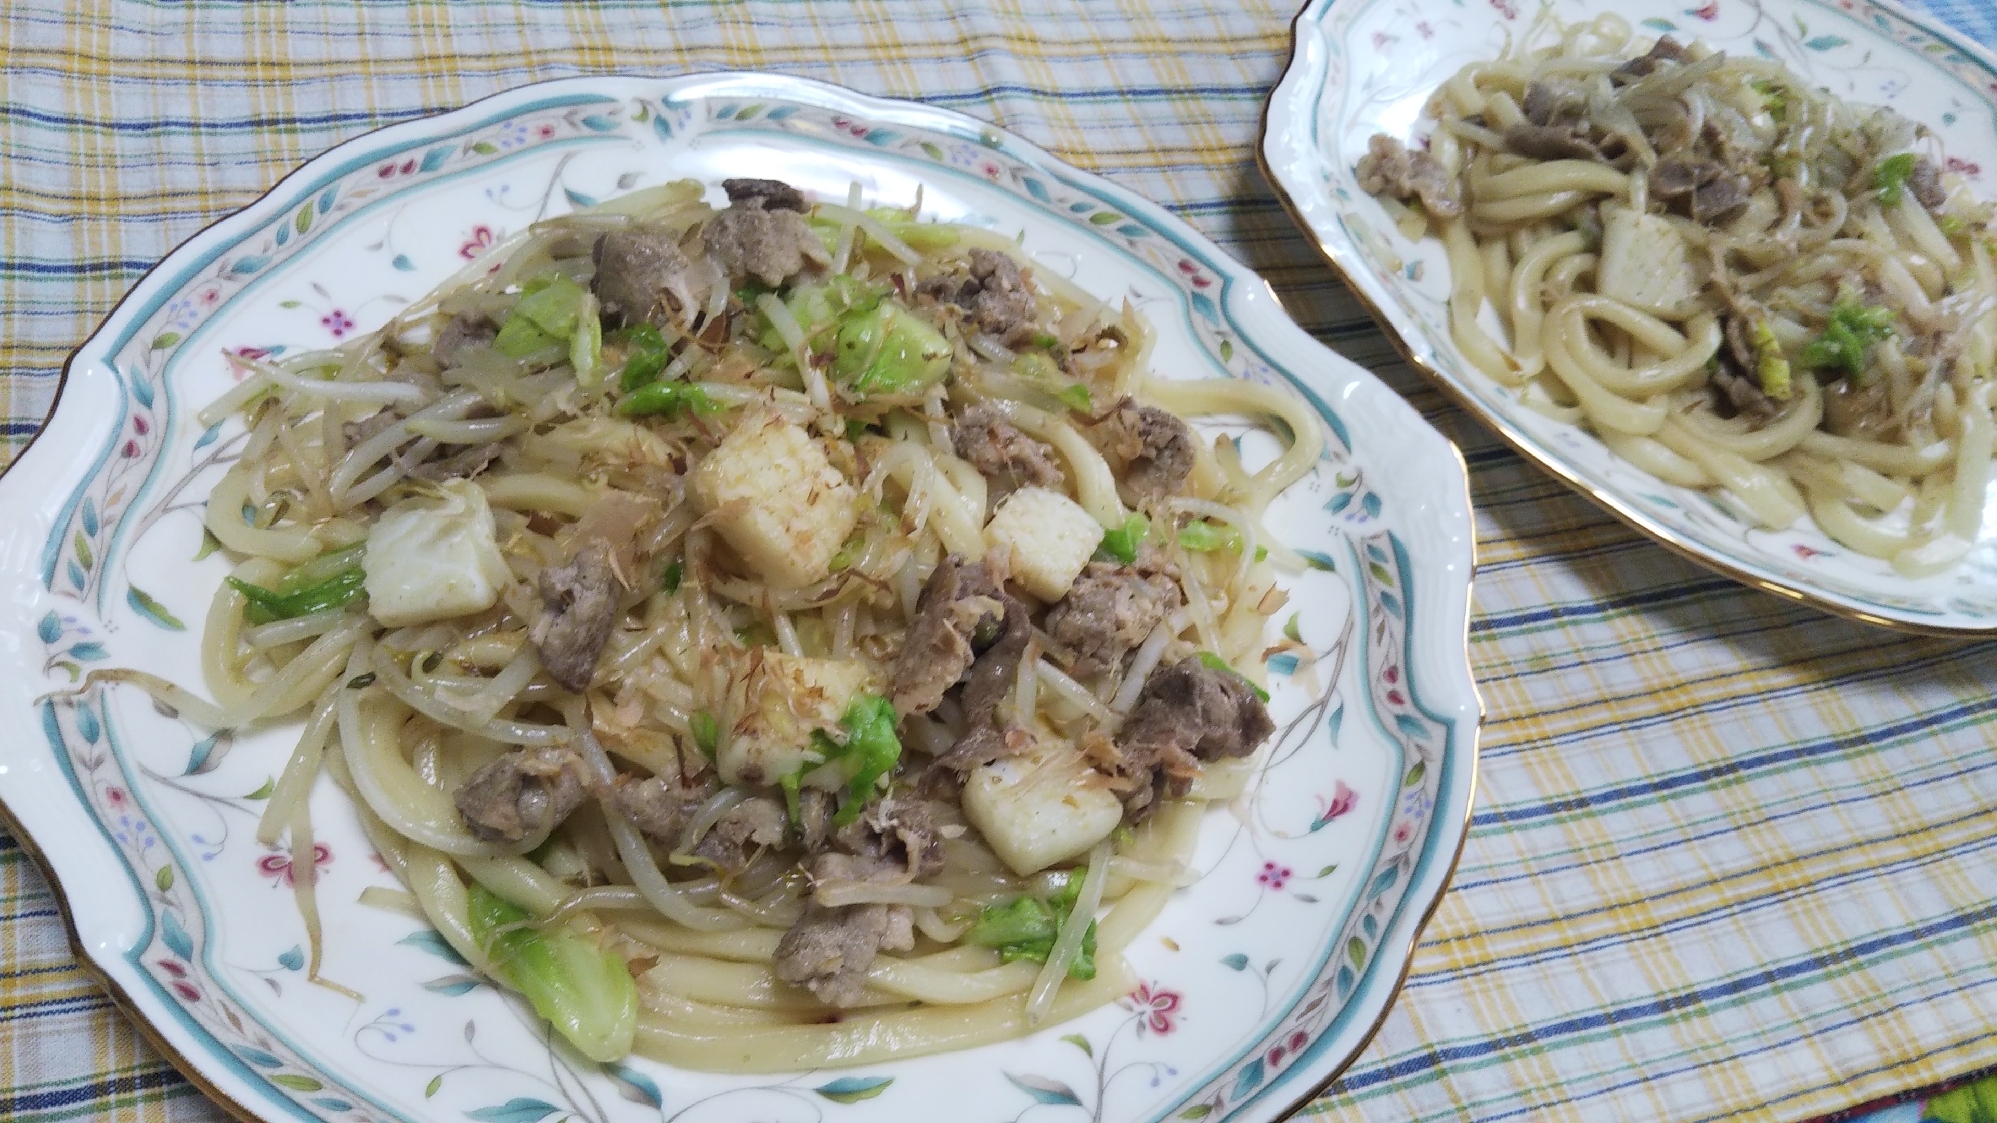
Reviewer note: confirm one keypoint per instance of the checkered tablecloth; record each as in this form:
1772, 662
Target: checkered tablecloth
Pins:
1730, 856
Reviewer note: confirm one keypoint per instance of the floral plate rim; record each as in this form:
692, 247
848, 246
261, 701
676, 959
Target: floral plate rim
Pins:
211, 244
1292, 105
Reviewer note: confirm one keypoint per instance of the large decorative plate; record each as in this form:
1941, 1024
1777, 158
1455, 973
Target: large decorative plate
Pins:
1365, 66
1260, 981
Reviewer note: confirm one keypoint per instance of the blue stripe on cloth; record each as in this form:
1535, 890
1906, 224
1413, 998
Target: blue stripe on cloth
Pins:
1763, 1049
1667, 1004
52, 1008
1752, 701
291, 122
1721, 911
107, 268
20, 1103
1950, 772
1706, 775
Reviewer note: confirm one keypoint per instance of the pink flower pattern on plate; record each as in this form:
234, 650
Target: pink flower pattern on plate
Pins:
1343, 799
276, 865
337, 322
476, 242
1274, 876
1157, 1008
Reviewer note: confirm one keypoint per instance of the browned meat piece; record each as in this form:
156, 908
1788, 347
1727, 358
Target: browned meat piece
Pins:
1720, 199
1388, 167
761, 236
655, 805
750, 826
1741, 396
1154, 447
1213, 712
769, 194
1554, 101
581, 602
523, 793
1108, 611
829, 950
1551, 142
1007, 458
465, 331
1702, 188
997, 296
960, 602
1925, 181
899, 831
987, 735
968, 629
1666, 50
642, 275
994, 296
1142, 773
1862, 412
1673, 179
1740, 344
1188, 712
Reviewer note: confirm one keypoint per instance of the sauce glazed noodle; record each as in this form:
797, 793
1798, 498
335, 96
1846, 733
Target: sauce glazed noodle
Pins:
767, 637
1735, 280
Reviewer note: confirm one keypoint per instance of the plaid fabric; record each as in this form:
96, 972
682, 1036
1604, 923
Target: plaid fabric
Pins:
1730, 855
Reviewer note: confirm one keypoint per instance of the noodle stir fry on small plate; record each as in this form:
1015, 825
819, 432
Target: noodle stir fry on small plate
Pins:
1728, 279
807, 599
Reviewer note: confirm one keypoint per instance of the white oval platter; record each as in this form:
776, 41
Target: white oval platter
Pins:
1361, 67
1261, 980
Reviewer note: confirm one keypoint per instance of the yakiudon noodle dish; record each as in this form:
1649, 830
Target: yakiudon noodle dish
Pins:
1733, 278
768, 636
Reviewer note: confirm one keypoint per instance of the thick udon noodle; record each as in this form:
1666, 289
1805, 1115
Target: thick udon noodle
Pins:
1905, 480
399, 717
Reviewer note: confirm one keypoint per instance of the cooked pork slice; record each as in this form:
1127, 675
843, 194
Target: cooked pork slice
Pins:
522, 793
1007, 458
1741, 395
988, 735
762, 234
642, 276
897, 830
658, 807
1702, 188
1665, 50
580, 598
1390, 168
1189, 712
1154, 447
960, 605
1108, 611
768, 194
465, 331
829, 950
1552, 142
751, 826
